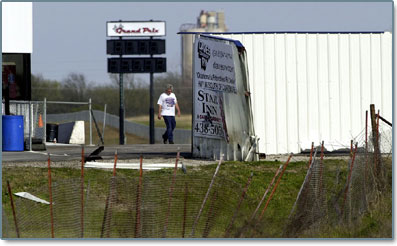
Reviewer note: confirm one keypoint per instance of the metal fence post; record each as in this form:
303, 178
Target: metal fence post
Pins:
30, 125
104, 123
89, 113
45, 118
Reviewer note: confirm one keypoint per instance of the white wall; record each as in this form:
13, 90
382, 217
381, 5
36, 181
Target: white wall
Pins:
313, 87
17, 26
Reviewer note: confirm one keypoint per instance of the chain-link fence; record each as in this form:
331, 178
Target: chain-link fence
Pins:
35, 117
38, 114
167, 207
344, 194
133, 208
34, 124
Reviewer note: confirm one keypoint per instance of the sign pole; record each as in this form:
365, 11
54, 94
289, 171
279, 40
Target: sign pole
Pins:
121, 113
151, 109
130, 46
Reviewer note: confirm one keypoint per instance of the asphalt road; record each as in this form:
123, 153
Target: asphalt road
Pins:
64, 152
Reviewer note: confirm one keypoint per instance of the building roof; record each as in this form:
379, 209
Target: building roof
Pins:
281, 32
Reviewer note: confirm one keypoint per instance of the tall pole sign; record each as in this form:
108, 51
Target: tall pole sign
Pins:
151, 108
139, 45
121, 109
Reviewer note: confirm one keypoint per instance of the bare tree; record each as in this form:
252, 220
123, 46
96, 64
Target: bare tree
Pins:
75, 87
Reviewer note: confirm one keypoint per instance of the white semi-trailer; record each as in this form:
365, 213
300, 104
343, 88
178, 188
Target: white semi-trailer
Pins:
313, 87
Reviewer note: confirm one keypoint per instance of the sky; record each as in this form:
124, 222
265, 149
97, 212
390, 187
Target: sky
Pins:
71, 37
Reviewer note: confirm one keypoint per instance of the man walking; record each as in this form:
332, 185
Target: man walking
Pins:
167, 104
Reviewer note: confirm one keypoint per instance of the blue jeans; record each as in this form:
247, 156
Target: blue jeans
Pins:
170, 123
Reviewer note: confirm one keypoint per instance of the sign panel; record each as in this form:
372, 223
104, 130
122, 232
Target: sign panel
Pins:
208, 117
135, 46
137, 65
135, 29
214, 74
214, 66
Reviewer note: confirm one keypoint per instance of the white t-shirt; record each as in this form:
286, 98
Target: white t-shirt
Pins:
167, 103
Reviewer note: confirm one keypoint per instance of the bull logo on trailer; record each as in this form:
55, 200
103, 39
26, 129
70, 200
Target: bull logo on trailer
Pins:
204, 54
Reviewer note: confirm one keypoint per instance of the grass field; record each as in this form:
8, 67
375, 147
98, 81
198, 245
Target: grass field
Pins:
111, 136
182, 122
377, 223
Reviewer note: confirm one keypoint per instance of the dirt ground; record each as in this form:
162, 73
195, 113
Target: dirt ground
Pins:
186, 161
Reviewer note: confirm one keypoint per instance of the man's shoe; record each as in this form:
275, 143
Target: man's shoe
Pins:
171, 142
164, 139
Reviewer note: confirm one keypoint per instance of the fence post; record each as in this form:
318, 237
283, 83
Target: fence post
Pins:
45, 118
107, 216
50, 193
274, 188
366, 133
171, 190
348, 180
104, 123
311, 156
185, 209
229, 227
13, 209
138, 200
374, 138
206, 196
267, 190
211, 215
30, 125
82, 193
89, 113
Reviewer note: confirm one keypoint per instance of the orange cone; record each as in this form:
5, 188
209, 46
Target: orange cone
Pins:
40, 121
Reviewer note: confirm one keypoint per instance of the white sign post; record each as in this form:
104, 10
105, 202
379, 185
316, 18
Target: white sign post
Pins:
213, 75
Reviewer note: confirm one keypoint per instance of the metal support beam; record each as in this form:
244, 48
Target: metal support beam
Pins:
151, 109
121, 112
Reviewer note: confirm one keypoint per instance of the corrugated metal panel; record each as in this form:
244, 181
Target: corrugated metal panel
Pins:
313, 87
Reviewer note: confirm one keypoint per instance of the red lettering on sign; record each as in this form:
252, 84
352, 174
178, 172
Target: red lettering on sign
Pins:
120, 29
153, 30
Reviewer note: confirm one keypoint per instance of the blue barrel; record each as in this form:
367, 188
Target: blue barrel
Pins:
12, 133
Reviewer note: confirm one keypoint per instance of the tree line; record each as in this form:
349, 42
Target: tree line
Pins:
76, 88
